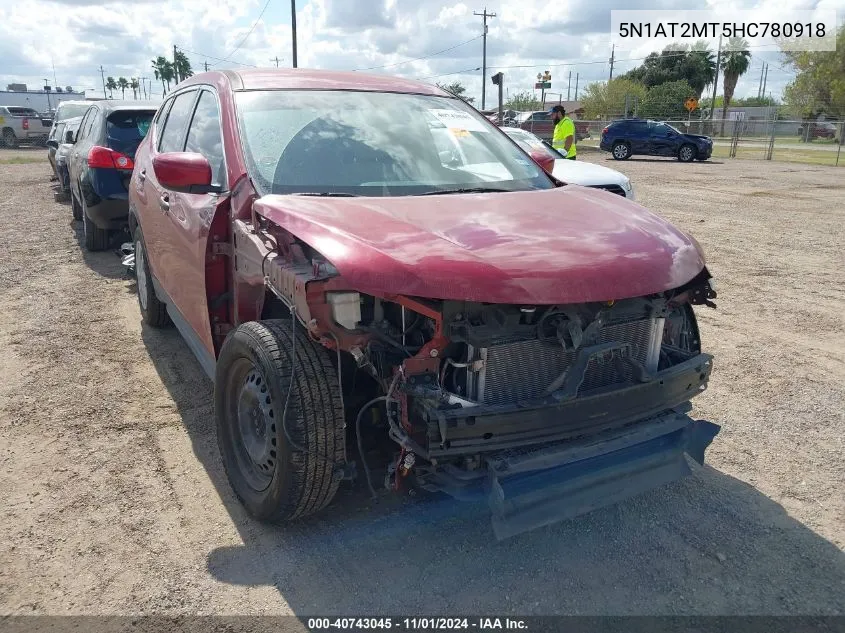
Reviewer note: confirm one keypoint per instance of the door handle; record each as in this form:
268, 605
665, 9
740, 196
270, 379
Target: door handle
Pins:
142, 175
164, 202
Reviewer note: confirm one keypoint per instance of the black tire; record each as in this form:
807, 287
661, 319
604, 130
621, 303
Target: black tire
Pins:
96, 239
75, 207
275, 479
9, 139
620, 150
687, 153
153, 311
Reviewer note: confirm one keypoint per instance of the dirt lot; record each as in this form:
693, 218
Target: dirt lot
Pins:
114, 500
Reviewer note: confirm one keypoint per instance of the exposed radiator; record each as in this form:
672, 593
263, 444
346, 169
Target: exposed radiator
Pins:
523, 369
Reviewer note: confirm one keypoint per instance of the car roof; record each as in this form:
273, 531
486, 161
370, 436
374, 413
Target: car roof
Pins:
113, 106
310, 79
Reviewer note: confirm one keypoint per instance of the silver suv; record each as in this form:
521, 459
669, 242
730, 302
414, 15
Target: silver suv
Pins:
20, 124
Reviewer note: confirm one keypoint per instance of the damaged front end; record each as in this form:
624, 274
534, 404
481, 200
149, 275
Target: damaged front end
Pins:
549, 411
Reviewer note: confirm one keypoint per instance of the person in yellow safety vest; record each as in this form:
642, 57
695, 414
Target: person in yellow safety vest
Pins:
563, 139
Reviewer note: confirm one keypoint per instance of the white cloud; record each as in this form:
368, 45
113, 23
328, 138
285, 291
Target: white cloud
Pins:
80, 35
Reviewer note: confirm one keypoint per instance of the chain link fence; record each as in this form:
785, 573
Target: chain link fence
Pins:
811, 142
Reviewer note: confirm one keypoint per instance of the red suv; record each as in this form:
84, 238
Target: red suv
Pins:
371, 301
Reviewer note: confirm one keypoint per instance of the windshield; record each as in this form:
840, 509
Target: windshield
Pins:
375, 144
71, 110
528, 142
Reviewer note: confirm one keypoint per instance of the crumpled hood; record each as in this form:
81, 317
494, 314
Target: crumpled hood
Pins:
565, 245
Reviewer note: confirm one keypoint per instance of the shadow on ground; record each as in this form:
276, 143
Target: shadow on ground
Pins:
710, 544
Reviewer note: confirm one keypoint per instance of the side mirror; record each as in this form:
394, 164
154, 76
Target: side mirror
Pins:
185, 172
53, 143
546, 162
69, 137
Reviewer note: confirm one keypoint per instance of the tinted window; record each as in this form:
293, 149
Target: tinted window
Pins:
172, 136
87, 124
540, 116
125, 129
58, 133
204, 135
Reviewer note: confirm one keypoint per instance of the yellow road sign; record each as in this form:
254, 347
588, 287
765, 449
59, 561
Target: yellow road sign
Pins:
691, 104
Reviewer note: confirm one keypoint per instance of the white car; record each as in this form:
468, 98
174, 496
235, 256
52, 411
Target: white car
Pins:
571, 171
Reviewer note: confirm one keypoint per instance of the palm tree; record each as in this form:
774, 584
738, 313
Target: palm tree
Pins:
735, 62
135, 86
123, 85
111, 85
164, 71
182, 66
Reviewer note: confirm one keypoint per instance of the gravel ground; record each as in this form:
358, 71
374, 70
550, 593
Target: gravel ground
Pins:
115, 501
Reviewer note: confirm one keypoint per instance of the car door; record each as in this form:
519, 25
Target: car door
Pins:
189, 219
169, 137
662, 139
637, 134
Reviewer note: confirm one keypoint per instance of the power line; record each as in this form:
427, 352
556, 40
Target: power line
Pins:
219, 59
457, 72
252, 28
416, 59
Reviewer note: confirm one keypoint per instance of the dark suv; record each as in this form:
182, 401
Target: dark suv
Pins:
101, 164
627, 137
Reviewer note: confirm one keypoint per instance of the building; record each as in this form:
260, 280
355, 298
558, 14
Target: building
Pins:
38, 100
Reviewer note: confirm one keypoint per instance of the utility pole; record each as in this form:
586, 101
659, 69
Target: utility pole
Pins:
175, 67
569, 85
276, 59
55, 81
577, 76
765, 80
293, 28
716, 80
484, 15
103, 76
612, 57
205, 65
47, 90
144, 86
760, 85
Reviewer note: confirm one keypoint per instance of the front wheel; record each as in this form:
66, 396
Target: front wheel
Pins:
280, 422
621, 151
687, 153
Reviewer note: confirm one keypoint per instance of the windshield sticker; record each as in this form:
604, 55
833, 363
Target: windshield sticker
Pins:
455, 119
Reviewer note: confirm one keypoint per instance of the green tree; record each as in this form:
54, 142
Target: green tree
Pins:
123, 84
163, 70
694, 64
819, 86
135, 86
111, 86
181, 67
735, 62
456, 88
666, 101
606, 99
523, 102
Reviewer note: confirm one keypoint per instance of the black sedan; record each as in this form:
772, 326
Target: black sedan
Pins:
627, 137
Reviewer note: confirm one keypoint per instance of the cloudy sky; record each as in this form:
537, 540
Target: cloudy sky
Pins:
526, 36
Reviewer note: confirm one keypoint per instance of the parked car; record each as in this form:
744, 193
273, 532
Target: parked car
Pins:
817, 129
627, 137
574, 172
67, 110
101, 163
63, 146
540, 124
21, 125
365, 304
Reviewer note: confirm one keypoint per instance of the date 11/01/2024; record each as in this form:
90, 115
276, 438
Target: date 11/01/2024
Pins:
705, 30
416, 624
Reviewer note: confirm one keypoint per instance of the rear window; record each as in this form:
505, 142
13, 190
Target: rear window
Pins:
125, 129
71, 110
22, 112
